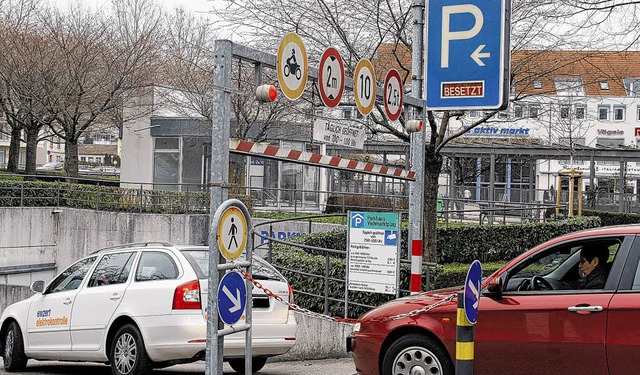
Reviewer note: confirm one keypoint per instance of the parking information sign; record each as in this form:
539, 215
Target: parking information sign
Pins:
232, 297
472, 291
373, 252
467, 62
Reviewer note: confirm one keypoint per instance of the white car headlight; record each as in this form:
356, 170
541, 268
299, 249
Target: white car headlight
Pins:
356, 327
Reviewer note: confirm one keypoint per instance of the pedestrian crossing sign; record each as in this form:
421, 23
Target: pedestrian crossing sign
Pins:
232, 233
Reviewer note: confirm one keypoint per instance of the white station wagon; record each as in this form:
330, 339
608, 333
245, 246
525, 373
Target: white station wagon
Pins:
136, 307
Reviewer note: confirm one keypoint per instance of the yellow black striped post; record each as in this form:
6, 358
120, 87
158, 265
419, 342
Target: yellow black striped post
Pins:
464, 340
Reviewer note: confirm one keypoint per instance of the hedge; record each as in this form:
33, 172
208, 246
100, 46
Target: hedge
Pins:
290, 260
463, 244
613, 218
98, 197
493, 245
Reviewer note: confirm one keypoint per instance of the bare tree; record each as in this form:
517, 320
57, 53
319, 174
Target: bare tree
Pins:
16, 26
99, 61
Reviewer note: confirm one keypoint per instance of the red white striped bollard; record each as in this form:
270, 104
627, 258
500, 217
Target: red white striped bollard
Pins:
416, 266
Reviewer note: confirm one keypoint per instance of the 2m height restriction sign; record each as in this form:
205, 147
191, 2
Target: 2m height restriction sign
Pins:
331, 77
467, 62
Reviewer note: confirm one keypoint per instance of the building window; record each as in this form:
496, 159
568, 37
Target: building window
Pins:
83, 158
503, 115
564, 112
618, 112
581, 111
604, 85
346, 113
518, 111
603, 112
473, 114
537, 84
638, 118
632, 86
569, 86
534, 111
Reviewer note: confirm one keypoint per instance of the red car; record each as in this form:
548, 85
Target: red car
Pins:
534, 317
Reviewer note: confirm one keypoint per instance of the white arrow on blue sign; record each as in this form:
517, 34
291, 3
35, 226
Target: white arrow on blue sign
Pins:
467, 62
472, 291
232, 297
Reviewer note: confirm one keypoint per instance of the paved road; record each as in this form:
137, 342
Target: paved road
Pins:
343, 366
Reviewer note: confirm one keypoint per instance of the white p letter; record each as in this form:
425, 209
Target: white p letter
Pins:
448, 35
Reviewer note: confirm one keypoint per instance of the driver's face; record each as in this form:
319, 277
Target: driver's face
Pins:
587, 267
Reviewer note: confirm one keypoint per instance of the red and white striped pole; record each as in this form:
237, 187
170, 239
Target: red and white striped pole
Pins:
416, 266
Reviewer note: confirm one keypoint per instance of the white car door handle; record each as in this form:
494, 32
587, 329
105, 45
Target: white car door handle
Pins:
115, 297
585, 308
67, 301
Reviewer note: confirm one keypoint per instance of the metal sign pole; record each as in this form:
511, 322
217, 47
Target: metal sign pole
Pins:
416, 187
219, 177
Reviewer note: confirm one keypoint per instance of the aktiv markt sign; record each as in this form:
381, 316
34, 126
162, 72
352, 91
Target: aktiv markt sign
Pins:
467, 62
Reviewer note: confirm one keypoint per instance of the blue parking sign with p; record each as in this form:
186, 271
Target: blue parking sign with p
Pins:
357, 220
467, 54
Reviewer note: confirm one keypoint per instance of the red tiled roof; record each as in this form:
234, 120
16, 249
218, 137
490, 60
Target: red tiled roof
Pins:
544, 66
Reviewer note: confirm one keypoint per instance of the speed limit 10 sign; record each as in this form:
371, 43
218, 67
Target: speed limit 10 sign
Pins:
393, 95
364, 86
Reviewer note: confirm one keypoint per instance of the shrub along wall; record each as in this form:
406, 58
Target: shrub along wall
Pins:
99, 197
613, 218
464, 244
496, 244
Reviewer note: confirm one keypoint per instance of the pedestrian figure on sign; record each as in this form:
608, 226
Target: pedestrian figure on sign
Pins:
232, 231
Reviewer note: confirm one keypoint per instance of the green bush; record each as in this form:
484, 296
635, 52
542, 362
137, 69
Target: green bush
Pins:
107, 198
613, 218
502, 242
464, 244
291, 260
458, 247
454, 274
360, 202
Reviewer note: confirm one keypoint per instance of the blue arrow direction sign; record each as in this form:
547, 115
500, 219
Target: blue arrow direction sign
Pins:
232, 297
472, 291
468, 54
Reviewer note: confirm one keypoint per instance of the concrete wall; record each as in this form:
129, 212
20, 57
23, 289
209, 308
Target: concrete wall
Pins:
318, 339
36, 235
12, 293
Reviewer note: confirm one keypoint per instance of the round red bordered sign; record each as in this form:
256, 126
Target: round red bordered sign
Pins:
331, 77
364, 86
393, 95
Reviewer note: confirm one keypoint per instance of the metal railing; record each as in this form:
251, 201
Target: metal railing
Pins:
325, 277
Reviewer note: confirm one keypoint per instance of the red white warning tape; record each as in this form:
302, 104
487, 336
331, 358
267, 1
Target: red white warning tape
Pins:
274, 152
